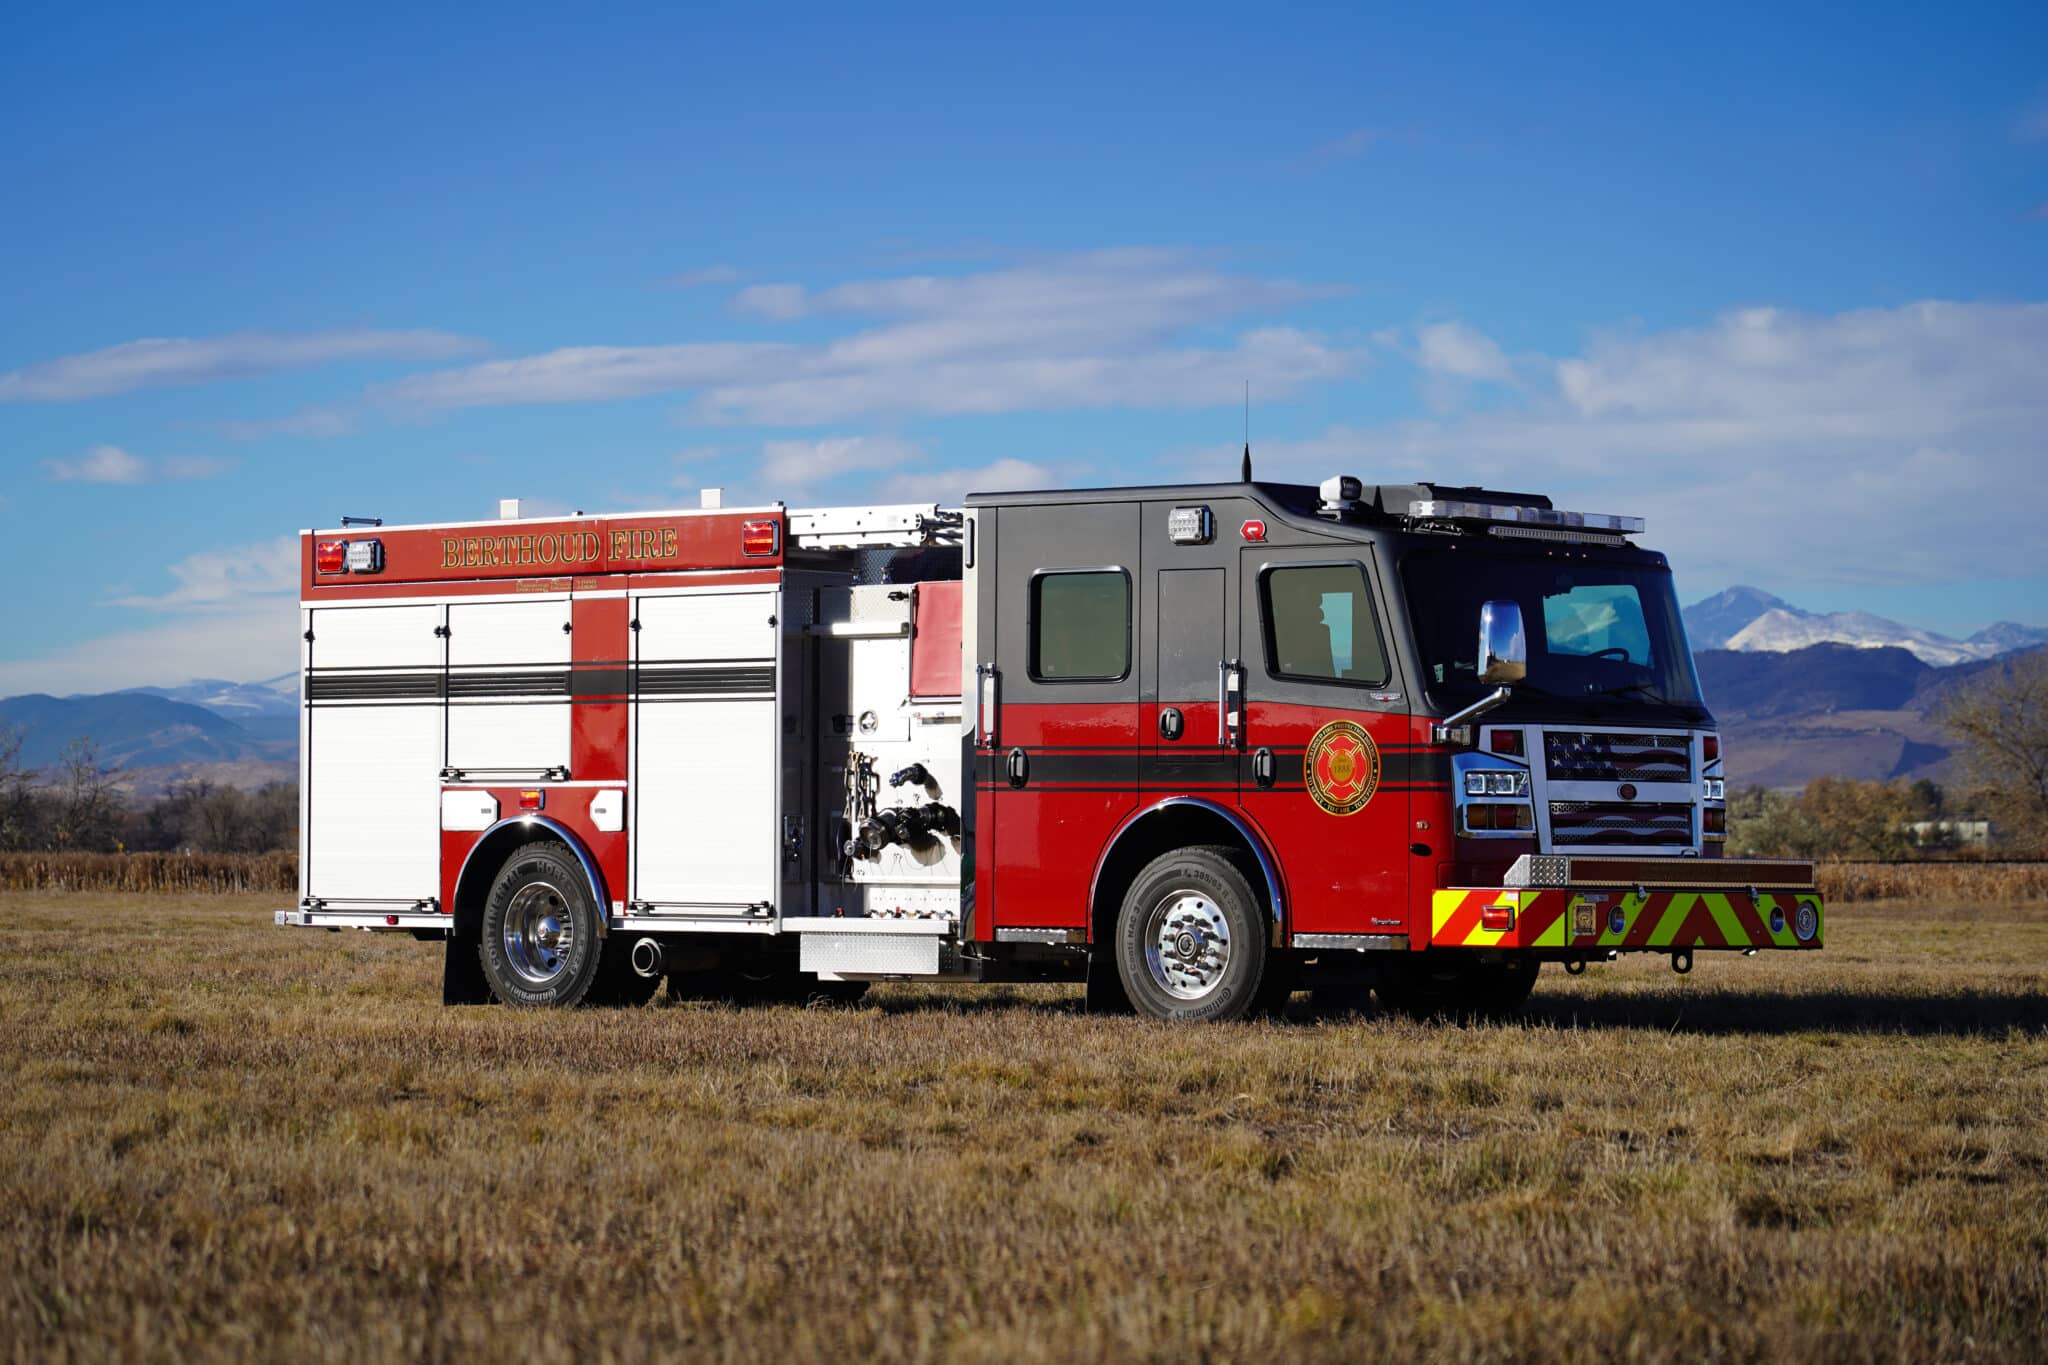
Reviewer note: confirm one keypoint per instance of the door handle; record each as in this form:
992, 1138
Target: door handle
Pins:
1262, 768
1170, 723
1229, 700
991, 696
1018, 765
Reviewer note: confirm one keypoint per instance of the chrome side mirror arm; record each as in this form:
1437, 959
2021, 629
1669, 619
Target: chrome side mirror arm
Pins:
1440, 732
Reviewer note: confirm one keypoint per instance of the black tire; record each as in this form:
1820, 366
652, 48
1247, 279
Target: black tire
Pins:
1191, 939
542, 940
617, 984
1432, 986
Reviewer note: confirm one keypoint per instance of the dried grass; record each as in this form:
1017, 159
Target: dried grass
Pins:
1843, 883
222, 1140
153, 873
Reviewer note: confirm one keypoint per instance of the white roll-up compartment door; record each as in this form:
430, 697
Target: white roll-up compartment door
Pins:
508, 688
706, 759
373, 754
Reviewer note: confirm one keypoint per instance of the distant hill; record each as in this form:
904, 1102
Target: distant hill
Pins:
155, 740
1831, 710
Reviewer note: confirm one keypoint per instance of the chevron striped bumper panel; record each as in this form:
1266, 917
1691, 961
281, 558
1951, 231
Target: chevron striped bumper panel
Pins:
1571, 920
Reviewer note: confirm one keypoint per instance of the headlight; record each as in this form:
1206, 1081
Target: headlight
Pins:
1716, 788
1513, 783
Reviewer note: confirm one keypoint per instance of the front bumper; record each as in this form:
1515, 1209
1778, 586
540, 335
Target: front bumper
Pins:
1658, 905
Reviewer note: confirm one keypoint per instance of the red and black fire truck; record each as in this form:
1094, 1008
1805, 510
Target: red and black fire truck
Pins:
1197, 747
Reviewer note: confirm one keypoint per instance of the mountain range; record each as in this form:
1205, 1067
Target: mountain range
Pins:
1798, 695
1750, 620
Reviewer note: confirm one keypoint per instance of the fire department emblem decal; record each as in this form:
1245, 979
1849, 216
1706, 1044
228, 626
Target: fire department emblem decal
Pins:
1342, 767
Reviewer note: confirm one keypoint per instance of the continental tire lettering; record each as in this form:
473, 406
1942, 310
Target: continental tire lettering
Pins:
1341, 768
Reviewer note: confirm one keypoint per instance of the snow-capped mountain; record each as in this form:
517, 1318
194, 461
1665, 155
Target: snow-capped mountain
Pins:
277, 696
1750, 619
1712, 621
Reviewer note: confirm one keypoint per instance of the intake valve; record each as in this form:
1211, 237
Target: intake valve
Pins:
916, 772
911, 826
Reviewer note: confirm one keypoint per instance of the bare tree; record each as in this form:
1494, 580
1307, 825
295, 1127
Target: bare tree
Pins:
18, 805
87, 800
2001, 719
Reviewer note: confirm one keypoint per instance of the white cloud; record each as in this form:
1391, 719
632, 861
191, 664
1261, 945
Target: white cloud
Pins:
233, 614
312, 423
1874, 446
111, 464
1131, 327
100, 464
710, 274
949, 486
799, 464
214, 579
1462, 352
158, 362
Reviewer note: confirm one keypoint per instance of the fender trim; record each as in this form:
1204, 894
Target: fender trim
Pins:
567, 836
1237, 822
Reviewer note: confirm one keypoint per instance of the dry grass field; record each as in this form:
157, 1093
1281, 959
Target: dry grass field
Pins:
219, 1139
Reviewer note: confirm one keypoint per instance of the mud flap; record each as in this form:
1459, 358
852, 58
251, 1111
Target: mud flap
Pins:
462, 974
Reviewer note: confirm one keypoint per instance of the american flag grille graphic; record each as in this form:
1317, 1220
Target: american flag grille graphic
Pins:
1614, 824
1578, 756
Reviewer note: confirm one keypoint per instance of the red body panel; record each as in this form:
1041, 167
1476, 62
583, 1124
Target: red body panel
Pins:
598, 717
1051, 833
1342, 874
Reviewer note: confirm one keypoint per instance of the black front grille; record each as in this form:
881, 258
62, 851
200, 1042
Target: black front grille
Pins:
1620, 824
1593, 756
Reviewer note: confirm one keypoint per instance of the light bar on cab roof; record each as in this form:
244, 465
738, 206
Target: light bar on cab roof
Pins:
1440, 510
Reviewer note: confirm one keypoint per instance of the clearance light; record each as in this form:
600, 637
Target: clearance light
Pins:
1437, 509
760, 537
330, 556
1190, 526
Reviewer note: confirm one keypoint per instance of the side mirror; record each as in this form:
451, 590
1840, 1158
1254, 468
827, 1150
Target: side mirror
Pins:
1503, 648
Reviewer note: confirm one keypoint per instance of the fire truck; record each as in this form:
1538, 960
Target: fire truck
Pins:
1197, 747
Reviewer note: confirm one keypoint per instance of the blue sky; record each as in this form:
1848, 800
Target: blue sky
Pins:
1779, 284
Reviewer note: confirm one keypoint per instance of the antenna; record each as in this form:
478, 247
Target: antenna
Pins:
1244, 471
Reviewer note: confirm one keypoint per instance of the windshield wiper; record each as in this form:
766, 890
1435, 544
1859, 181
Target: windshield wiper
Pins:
1648, 693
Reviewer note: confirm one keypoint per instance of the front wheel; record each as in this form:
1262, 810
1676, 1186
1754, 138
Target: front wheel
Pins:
542, 938
1191, 941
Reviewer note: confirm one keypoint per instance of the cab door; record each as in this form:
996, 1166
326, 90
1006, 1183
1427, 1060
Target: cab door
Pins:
1325, 727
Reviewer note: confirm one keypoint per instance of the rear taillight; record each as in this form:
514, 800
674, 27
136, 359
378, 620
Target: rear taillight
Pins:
759, 538
1498, 918
1710, 747
330, 556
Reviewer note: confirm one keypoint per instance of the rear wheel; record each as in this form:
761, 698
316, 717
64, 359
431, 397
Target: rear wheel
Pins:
1191, 940
1458, 987
542, 939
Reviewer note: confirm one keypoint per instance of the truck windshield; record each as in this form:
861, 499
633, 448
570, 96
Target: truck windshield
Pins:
1603, 635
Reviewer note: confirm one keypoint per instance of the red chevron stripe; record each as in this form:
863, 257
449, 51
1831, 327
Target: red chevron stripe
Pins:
1460, 925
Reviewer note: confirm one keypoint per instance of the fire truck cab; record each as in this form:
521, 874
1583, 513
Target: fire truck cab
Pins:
1196, 746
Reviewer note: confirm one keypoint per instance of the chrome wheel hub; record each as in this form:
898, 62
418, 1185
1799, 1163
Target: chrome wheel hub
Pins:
539, 933
1187, 945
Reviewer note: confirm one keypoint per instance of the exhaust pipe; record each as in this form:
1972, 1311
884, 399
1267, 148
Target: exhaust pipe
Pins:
648, 958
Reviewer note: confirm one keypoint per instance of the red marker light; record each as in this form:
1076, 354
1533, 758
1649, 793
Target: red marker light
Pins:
1506, 742
1710, 748
1253, 531
760, 537
330, 556
532, 800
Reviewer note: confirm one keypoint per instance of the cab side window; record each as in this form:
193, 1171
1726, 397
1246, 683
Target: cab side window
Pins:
1080, 625
1320, 625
